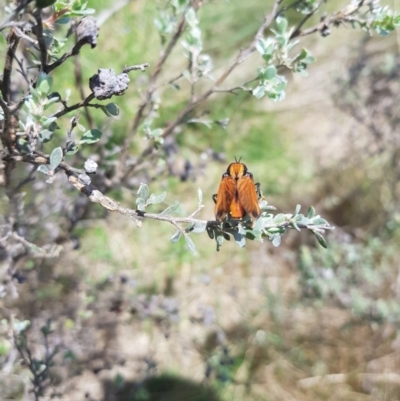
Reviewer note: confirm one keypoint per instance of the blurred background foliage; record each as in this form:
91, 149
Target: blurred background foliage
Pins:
135, 317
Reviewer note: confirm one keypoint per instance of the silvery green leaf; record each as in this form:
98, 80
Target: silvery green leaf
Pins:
43, 84
311, 212
279, 218
176, 236
276, 239
56, 157
301, 219
207, 123
240, 239
295, 226
43, 169
270, 72
91, 136
169, 209
143, 191
72, 149
199, 196
296, 212
20, 326
258, 225
219, 240
199, 227
241, 229
259, 91
47, 121
154, 199
141, 204
81, 127
190, 244
319, 221
281, 24
45, 135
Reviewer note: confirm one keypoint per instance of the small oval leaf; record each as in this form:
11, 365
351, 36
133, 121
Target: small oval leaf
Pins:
143, 191
56, 157
91, 136
190, 244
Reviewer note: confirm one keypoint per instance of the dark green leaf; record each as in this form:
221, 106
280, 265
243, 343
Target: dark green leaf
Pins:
56, 157
44, 3
210, 232
23, 145
91, 136
112, 108
320, 239
226, 236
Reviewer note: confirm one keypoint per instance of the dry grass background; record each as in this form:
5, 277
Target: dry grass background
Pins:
130, 306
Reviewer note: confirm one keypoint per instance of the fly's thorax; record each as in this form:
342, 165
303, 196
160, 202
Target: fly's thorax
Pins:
236, 170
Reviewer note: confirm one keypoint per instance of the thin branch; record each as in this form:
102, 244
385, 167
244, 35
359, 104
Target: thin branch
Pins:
73, 52
78, 105
12, 42
141, 67
42, 44
147, 96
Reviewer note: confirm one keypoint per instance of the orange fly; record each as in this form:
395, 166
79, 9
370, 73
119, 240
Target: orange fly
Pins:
237, 194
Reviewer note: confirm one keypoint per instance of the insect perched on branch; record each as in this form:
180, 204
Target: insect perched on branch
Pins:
237, 194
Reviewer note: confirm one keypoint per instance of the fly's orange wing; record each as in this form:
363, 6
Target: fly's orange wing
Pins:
247, 195
225, 196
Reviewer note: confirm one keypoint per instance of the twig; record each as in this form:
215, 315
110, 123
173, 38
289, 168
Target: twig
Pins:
73, 52
12, 42
79, 84
141, 67
42, 44
78, 105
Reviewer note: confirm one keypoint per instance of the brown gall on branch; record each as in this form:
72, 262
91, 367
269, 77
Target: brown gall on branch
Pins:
104, 85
